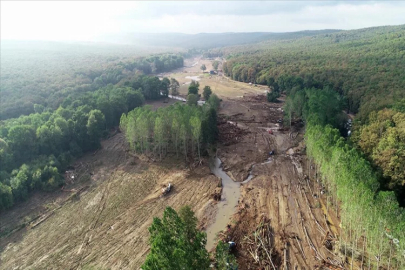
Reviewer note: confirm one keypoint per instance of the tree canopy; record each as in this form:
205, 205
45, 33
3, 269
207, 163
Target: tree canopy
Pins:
207, 92
178, 129
203, 67
176, 243
363, 65
35, 79
35, 149
194, 87
215, 65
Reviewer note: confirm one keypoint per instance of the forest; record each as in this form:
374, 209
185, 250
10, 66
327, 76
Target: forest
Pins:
181, 129
382, 139
42, 74
372, 219
36, 148
204, 41
365, 66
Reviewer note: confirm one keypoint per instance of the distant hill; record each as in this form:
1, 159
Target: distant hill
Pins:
206, 40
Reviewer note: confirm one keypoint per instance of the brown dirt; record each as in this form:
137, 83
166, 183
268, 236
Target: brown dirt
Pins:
279, 194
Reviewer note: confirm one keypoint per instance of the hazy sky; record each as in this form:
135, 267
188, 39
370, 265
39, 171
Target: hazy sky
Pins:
74, 20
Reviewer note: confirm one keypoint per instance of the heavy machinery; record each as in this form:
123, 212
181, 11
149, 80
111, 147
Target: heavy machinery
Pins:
167, 189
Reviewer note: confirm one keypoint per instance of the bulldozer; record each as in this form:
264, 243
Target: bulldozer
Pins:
166, 189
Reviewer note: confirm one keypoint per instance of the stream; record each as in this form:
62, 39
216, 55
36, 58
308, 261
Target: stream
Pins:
226, 207
229, 200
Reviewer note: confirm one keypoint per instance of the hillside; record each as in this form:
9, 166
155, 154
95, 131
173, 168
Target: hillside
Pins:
363, 65
46, 73
207, 40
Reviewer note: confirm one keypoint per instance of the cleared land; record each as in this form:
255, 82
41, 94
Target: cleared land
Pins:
106, 224
101, 218
220, 85
282, 205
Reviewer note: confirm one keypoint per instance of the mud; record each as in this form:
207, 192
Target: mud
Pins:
226, 207
278, 196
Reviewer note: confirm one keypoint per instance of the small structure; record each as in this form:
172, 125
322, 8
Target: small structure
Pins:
213, 72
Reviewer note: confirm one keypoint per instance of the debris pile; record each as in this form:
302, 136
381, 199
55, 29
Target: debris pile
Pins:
217, 194
260, 245
256, 98
229, 133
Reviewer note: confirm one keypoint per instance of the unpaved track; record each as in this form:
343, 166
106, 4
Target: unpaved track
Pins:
279, 191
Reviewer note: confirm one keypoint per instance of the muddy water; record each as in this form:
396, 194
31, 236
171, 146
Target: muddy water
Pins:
229, 200
226, 207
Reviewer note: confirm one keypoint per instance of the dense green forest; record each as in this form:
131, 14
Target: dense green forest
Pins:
382, 139
46, 73
365, 66
57, 123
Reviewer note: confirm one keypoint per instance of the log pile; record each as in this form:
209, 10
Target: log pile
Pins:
260, 245
217, 194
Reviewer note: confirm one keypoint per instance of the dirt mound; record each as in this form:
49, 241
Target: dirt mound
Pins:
255, 98
229, 132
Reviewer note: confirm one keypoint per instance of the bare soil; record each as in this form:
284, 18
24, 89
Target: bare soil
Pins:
106, 224
300, 233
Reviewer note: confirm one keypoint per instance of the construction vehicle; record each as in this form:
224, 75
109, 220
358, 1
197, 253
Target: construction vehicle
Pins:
167, 189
